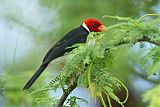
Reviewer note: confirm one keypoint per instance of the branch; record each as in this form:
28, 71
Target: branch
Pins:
66, 93
140, 39
148, 39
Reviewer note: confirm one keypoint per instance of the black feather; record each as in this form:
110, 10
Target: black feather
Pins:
35, 76
78, 35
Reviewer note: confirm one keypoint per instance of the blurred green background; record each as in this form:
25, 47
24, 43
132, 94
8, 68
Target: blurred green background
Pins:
28, 28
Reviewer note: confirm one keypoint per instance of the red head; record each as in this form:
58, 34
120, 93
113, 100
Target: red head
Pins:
93, 25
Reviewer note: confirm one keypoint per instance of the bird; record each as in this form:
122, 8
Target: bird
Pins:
77, 35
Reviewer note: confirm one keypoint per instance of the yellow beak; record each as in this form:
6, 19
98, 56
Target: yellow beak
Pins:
102, 28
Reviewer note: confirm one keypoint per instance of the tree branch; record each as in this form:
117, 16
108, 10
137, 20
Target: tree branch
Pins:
148, 39
140, 39
66, 93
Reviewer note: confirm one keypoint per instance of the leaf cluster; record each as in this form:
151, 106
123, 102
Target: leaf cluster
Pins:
90, 65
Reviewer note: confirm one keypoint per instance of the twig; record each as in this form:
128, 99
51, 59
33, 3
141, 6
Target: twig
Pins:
146, 15
148, 39
139, 39
66, 93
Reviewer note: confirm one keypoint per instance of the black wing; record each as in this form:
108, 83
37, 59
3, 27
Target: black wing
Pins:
78, 35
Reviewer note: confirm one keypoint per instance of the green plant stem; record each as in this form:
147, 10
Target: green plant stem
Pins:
127, 93
102, 100
141, 18
109, 101
89, 79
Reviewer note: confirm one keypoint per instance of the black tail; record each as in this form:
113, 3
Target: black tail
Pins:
35, 76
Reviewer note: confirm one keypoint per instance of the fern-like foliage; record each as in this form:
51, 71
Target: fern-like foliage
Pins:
90, 65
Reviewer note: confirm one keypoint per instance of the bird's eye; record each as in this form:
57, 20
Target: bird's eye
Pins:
95, 24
